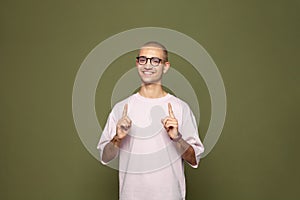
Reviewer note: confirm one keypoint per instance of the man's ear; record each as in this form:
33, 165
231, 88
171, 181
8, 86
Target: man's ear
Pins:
166, 67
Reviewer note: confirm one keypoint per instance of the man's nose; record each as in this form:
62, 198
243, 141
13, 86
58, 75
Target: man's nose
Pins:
148, 65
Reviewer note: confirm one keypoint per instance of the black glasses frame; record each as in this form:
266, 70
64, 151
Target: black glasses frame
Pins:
151, 60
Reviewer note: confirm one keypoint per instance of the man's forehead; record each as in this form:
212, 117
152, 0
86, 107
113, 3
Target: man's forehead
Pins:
151, 49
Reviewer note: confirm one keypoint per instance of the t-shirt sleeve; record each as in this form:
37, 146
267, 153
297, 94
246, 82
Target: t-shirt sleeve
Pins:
108, 133
189, 131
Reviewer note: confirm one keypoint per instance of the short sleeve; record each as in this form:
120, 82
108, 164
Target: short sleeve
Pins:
189, 131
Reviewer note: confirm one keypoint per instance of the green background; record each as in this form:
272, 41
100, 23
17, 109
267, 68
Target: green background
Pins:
255, 45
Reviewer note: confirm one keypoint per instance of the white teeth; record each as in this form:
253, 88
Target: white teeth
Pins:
148, 73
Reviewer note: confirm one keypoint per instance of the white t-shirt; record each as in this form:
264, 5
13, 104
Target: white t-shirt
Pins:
150, 167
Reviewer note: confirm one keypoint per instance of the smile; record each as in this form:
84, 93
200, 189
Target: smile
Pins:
148, 73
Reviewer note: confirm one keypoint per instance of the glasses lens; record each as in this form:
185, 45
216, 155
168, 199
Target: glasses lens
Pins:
142, 60
155, 61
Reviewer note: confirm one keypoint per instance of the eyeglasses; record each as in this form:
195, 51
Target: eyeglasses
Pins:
142, 60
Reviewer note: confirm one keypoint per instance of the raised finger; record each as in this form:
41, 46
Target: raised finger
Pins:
125, 110
171, 114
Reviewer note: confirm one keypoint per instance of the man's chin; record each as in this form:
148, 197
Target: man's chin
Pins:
150, 82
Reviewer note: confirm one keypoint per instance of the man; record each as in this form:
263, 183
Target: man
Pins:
151, 133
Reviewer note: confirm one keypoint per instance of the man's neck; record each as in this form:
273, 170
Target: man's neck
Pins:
152, 91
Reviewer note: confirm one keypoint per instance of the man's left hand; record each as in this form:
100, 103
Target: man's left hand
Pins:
170, 123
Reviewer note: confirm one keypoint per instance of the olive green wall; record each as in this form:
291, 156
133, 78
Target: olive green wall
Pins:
255, 45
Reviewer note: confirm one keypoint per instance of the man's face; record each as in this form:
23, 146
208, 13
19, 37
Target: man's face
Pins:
152, 74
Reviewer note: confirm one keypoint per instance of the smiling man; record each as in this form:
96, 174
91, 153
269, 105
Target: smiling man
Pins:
151, 133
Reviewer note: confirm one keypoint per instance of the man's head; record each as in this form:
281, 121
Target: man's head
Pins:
159, 46
152, 62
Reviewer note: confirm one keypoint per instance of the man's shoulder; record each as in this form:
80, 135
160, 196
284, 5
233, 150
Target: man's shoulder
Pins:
179, 101
120, 104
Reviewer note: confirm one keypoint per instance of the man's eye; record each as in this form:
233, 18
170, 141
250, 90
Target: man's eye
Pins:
155, 60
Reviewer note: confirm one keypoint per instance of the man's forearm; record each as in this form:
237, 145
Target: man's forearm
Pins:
111, 150
186, 150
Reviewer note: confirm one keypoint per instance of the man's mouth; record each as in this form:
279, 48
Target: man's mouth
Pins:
148, 73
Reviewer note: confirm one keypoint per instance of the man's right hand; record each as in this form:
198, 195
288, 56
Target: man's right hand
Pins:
111, 149
124, 124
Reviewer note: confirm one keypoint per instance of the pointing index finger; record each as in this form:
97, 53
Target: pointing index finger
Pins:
171, 114
125, 110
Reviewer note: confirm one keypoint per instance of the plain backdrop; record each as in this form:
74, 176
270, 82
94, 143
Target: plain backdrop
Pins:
255, 45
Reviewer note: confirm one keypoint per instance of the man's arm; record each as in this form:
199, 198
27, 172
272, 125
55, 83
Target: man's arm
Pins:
111, 149
186, 150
